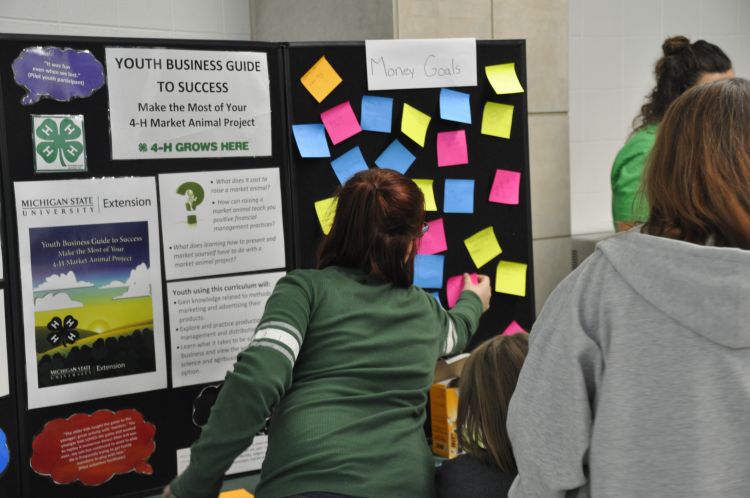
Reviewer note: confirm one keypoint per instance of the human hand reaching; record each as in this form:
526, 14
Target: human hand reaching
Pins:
482, 289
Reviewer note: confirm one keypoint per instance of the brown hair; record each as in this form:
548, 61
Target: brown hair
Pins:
379, 215
698, 178
682, 64
487, 383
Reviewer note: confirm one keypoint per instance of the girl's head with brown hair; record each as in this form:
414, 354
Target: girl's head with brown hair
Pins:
698, 178
683, 65
379, 215
487, 383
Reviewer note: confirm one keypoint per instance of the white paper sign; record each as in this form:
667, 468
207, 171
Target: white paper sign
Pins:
4, 383
437, 63
166, 103
249, 460
213, 320
219, 222
91, 289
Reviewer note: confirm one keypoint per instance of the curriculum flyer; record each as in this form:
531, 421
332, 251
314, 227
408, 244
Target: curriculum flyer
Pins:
169, 103
91, 288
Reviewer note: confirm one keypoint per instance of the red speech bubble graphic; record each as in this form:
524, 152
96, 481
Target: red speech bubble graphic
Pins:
94, 448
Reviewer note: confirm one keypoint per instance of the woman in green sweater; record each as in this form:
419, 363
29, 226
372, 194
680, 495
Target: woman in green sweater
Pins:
683, 65
342, 361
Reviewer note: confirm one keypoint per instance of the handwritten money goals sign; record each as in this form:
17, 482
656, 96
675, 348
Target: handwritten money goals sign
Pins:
400, 64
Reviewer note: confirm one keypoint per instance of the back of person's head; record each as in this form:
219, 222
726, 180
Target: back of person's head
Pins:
681, 67
487, 383
698, 178
379, 215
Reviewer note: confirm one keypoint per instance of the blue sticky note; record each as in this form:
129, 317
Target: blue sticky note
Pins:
428, 271
311, 140
436, 295
376, 113
396, 157
459, 196
455, 106
349, 163
4, 453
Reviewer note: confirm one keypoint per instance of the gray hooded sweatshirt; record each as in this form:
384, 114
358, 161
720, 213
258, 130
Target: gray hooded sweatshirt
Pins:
637, 382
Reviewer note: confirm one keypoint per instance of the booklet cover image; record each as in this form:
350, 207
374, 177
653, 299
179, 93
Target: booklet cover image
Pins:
93, 310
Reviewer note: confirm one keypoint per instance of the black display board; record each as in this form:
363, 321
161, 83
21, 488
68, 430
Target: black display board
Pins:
303, 181
314, 179
170, 410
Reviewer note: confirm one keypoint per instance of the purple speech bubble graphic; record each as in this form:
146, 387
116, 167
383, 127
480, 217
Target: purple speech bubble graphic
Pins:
61, 74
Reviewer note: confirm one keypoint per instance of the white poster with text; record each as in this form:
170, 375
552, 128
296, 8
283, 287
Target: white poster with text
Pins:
428, 63
211, 321
220, 222
249, 460
91, 289
167, 103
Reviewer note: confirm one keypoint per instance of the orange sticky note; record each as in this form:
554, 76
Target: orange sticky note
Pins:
236, 493
321, 79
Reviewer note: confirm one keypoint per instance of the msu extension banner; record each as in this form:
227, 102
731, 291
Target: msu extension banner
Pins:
91, 287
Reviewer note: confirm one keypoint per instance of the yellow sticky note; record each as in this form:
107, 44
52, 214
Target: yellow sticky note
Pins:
497, 119
236, 493
414, 124
503, 78
483, 246
326, 210
511, 278
321, 79
425, 185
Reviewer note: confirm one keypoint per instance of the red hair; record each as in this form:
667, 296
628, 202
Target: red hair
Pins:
379, 216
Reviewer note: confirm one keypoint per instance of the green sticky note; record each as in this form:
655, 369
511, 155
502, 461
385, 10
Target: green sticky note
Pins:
497, 119
414, 124
425, 185
326, 210
503, 78
483, 246
510, 278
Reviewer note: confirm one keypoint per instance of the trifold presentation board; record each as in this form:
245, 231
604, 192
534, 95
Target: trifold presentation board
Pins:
154, 191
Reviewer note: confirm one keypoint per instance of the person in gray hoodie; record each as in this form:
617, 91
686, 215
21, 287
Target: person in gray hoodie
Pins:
637, 382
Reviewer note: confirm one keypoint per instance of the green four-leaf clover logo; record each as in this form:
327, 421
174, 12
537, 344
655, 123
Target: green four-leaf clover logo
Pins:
61, 141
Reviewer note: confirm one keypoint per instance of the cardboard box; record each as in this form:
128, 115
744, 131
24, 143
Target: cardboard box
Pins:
443, 417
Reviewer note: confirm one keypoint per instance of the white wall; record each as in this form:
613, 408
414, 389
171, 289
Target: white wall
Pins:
613, 45
212, 19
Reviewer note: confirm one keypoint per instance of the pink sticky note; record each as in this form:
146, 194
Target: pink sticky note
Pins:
505, 187
513, 329
454, 286
340, 122
433, 241
451, 148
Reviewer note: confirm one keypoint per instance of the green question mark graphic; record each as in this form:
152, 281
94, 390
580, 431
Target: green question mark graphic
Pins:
194, 195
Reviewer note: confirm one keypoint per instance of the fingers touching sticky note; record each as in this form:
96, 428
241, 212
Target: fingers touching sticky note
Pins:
425, 186
321, 79
326, 210
455, 106
340, 122
311, 140
396, 157
505, 187
511, 278
349, 163
455, 286
376, 113
459, 196
483, 246
451, 148
433, 241
414, 124
503, 78
428, 271
497, 119
513, 328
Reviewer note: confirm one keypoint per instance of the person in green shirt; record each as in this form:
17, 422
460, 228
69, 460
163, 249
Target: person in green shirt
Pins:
342, 361
683, 65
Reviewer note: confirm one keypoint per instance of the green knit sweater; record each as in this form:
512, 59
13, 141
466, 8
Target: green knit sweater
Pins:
628, 203
343, 365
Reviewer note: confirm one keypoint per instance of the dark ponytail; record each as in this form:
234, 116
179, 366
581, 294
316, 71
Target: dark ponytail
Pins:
682, 64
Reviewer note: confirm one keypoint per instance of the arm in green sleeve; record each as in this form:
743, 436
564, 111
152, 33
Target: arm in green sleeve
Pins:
461, 322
